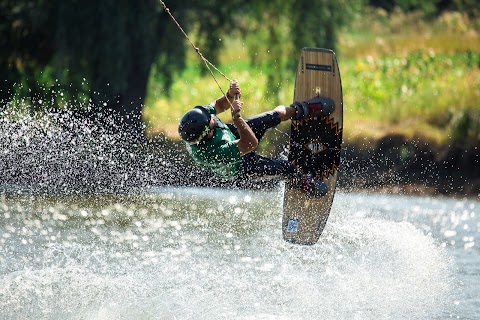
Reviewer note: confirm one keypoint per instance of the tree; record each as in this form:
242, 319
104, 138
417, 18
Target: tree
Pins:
113, 45
25, 43
99, 53
283, 27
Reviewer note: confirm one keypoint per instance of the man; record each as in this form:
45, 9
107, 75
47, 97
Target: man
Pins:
229, 150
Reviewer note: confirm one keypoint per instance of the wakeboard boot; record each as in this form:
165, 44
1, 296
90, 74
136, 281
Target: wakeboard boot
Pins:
314, 107
310, 185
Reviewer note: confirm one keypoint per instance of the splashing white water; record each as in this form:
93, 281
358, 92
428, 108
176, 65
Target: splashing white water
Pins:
63, 153
179, 257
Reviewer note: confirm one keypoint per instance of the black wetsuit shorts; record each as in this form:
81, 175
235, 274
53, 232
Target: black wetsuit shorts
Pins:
255, 165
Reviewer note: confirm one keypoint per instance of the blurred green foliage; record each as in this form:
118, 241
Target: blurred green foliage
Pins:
416, 81
428, 7
100, 56
441, 90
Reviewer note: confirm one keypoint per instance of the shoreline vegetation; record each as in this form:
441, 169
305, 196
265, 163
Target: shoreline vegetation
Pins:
411, 84
411, 96
400, 74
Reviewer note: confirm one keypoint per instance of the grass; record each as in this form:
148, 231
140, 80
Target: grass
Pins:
400, 73
419, 90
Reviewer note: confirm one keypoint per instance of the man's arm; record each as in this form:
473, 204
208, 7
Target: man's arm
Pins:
247, 142
223, 103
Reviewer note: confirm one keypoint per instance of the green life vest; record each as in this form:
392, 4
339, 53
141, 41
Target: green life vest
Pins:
219, 154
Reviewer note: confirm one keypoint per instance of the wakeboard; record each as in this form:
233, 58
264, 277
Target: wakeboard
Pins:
314, 147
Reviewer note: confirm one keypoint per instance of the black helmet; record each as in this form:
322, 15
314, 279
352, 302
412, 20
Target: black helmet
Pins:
194, 125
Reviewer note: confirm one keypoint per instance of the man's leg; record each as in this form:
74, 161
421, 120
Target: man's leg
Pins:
260, 123
258, 167
297, 111
285, 113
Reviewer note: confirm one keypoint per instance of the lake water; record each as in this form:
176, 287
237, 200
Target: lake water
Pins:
193, 253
